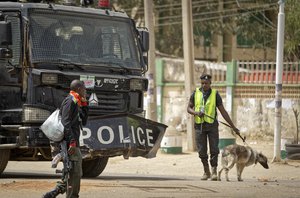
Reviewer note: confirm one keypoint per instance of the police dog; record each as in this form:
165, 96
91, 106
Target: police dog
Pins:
242, 156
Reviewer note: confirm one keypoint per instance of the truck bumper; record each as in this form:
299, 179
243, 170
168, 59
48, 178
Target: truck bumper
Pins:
121, 134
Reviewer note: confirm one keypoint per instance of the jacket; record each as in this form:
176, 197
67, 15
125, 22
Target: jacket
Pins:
73, 118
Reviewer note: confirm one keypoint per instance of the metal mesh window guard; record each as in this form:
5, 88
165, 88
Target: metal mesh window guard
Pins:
81, 38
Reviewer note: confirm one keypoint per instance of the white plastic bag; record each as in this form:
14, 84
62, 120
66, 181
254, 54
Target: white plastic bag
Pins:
53, 127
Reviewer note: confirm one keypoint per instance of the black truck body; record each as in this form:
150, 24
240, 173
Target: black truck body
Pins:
43, 47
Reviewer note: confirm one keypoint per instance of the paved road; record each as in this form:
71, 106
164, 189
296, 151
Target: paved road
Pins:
32, 185
166, 176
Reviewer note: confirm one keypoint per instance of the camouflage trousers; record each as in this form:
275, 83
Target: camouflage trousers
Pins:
74, 177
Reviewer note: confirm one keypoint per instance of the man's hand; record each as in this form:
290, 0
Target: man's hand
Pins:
83, 99
200, 114
72, 147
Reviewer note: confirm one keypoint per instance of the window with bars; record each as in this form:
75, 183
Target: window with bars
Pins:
82, 38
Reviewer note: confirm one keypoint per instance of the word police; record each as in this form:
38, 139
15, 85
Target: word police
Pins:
107, 135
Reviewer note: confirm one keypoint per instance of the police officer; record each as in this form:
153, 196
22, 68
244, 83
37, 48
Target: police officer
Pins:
203, 105
74, 113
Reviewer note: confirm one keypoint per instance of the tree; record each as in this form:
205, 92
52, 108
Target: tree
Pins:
292, 30
168, 38
249, 21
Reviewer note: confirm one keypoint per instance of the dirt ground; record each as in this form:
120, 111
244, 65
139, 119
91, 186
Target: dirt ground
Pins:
165, 172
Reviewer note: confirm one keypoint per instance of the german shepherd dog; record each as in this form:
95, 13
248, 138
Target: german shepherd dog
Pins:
242, 156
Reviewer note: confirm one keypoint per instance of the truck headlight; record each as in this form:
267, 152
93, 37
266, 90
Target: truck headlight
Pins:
48, 78
137, 84
35, 114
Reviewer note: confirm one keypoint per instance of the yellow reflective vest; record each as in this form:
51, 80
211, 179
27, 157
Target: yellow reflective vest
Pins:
209, 106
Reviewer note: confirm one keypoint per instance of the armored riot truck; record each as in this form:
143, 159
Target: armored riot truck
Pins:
43, 47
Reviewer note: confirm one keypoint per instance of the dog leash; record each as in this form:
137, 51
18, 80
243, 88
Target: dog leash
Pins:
243, 138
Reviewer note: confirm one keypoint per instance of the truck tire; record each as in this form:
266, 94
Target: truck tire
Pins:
94, 167
4, 157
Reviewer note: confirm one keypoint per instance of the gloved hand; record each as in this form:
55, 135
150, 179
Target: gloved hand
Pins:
72, 147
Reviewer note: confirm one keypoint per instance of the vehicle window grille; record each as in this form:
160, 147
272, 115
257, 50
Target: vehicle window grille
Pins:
81, 38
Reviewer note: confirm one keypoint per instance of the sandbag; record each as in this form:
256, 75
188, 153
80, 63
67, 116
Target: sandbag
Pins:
53, 127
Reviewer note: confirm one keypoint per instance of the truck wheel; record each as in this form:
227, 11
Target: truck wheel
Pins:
94, 167
4, 157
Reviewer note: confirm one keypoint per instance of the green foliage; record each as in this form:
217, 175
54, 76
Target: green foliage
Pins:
255, 31
251, 21
169, 37
292, 30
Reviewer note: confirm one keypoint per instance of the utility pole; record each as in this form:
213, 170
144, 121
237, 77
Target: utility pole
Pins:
188, 53
278, 88
221, 36
151, 111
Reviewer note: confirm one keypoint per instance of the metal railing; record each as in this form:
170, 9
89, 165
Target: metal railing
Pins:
265, 72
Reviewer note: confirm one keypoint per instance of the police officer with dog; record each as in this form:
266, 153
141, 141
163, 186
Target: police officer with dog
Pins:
203, 104
74, 113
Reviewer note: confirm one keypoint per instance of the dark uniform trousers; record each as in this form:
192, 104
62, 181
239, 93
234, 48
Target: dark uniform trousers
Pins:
203, 132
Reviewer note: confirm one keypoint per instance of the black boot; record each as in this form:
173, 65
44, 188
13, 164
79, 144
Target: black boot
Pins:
206, 174
214, 176
51, 194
